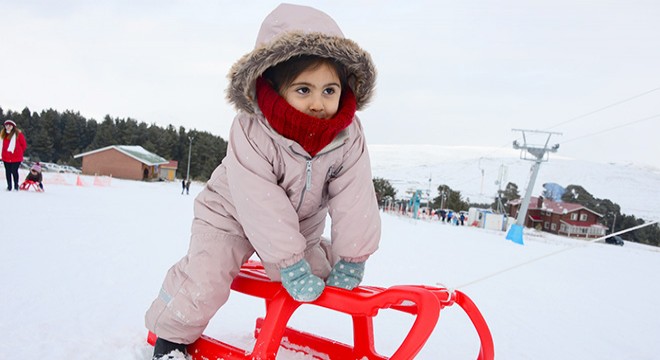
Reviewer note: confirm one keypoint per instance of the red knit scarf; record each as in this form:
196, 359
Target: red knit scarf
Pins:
313, 134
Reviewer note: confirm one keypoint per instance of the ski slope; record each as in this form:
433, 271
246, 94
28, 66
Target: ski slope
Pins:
79, 265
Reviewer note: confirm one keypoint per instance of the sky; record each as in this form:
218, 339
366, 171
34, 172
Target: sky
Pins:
450, 73
79, 265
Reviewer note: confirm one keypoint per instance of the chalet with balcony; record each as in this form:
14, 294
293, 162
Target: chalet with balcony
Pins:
561, 218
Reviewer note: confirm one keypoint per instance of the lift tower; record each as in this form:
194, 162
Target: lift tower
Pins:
539, 154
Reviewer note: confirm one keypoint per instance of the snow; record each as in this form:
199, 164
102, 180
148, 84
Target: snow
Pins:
79, 265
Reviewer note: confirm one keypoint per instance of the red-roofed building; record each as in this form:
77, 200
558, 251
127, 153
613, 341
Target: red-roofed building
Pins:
168, 171
561, 218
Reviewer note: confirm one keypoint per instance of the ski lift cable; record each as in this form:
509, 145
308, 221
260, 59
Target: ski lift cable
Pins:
603, 108
612, 128
507, 145
554, 253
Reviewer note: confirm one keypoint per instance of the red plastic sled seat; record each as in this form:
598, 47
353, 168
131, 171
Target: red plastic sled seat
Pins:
362, 303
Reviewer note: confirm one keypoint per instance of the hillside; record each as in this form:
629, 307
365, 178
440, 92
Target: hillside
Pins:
635, 188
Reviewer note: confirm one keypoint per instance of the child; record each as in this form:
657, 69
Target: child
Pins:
35, 176
296, 153
13, 147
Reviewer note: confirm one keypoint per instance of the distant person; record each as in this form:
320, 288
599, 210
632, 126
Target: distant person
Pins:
296, 153
35, 176
13, 147
188, 187
183, 186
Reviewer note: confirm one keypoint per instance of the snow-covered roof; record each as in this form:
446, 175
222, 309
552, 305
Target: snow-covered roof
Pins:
557, 207
135, 151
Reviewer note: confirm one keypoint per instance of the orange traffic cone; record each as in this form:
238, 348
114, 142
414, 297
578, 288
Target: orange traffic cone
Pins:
79, 181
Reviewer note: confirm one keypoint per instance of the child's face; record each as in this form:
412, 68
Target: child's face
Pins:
315, 92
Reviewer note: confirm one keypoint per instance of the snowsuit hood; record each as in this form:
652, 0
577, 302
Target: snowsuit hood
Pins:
293, 30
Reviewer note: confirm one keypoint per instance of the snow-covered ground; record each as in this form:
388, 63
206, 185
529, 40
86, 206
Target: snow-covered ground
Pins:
79, 265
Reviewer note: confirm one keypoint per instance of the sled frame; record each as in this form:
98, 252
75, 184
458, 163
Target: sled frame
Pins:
28, 184
362, 304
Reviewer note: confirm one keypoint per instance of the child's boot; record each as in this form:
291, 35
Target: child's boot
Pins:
167, 350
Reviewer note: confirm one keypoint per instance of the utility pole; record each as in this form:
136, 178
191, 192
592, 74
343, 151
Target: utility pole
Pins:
540, 154
443, 197
189, 152
428, 197
481, 190
500, 179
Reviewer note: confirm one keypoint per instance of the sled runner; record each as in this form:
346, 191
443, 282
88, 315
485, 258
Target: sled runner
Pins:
362, 303
29, 184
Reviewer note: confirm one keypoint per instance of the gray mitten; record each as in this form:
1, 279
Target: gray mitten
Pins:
346, 275
300, 283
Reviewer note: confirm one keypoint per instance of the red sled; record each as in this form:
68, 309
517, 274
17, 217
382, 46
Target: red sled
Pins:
29, 184
362, 303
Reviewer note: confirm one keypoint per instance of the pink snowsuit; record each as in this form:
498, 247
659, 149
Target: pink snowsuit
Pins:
269, 195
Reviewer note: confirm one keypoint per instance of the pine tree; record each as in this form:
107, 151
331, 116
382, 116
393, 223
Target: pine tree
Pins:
89, 134
105, 135
72, 132
384, 191
510, 192
452, 199
127, 132
42, 147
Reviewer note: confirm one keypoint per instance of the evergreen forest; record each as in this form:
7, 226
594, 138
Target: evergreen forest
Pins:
56, 137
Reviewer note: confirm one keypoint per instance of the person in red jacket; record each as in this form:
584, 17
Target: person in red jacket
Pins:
13, 147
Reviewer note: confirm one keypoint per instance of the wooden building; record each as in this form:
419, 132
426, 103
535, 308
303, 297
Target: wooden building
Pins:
131, 162
168, 171
561, 218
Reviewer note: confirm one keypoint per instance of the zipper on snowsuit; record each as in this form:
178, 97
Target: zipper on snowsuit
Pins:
308, 172
308, 182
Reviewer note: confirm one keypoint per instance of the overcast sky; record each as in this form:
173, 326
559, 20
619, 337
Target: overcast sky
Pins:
450, 72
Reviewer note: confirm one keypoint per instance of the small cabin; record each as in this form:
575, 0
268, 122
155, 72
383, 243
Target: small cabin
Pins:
130, 162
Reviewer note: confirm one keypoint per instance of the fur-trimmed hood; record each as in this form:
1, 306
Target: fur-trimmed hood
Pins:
292, 30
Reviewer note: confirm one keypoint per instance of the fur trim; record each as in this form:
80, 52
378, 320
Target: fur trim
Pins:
244, 73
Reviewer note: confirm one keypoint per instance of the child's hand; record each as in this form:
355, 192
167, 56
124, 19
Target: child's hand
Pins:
346, 275
300, 283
